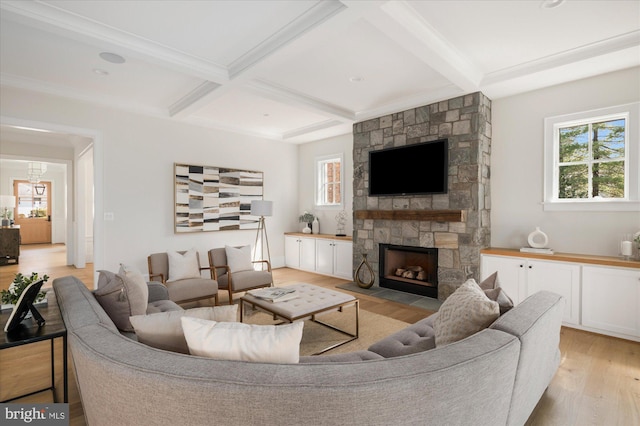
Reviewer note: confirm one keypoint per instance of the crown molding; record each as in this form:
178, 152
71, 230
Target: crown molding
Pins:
317, 14
38, 86
413, 101
588, 51
50, 18
311, 128
283, 94
192, 98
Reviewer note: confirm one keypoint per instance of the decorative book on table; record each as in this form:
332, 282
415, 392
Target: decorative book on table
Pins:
274, 294
536, 250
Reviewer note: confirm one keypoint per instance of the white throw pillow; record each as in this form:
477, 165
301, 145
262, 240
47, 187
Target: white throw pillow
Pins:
239, 258
183, 265
243, 342
467, 311
163, 330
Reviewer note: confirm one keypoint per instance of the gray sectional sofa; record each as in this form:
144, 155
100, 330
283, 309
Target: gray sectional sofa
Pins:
494, 377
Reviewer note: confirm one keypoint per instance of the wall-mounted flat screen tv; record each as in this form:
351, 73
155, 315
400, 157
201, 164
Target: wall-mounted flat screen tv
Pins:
412, 169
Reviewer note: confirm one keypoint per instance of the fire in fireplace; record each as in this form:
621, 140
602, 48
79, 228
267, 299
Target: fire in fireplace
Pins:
409, 269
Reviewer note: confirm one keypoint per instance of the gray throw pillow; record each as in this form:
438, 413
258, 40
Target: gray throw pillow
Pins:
467, 311
121, 296
491, 287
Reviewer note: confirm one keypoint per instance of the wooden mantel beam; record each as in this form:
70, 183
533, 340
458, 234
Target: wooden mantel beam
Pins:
422, 215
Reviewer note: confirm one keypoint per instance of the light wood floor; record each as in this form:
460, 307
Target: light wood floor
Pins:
598, 382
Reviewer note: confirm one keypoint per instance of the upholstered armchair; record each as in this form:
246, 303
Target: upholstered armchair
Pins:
237, 274
180, 272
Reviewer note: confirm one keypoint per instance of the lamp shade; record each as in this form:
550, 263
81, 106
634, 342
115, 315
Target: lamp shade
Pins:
261, 208
7, 201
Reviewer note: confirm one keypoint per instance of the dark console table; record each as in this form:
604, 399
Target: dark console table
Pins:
9, 245
29, 332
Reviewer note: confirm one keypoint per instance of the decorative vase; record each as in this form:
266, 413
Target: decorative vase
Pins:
538, 239
315, 226
364, 266
307, 228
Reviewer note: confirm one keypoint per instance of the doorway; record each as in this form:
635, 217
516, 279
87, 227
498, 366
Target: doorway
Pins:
33, 211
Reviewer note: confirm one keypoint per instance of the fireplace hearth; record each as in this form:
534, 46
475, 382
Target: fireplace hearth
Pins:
409, 269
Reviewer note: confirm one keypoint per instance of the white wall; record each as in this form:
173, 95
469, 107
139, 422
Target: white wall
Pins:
517, 167
307, 155
136, 154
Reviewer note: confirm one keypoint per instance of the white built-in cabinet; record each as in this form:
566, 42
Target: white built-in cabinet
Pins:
599, 298
319, 254
300, 253
611, 299
521, 277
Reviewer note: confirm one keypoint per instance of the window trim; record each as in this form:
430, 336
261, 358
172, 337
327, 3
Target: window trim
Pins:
321, 160
631, 201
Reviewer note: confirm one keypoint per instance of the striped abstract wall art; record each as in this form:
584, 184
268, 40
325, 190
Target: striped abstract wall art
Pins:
209, 198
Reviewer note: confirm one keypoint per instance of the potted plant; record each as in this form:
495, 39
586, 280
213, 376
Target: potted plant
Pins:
306, 218
19, 284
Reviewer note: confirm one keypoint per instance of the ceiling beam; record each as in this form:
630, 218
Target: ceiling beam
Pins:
592, 50
317, 14
403, 24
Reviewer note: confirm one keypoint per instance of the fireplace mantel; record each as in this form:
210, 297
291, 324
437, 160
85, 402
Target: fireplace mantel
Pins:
421, 215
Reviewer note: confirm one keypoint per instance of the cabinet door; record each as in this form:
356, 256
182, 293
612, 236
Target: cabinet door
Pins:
308, 254
611, 299
324, 256
343, 260
511, 275
559, 278
292, 252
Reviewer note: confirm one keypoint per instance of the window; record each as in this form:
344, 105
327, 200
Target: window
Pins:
591, 160
329, 181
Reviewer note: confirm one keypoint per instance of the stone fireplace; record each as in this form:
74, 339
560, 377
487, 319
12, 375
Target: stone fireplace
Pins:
456, 223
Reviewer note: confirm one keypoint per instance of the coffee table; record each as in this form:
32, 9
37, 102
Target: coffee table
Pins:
311, 301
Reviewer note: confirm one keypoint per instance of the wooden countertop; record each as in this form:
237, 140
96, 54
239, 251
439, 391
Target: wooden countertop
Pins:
566, 257
321, 236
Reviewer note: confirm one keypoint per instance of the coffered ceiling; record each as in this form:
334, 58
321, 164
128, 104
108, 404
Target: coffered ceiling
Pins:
303, 70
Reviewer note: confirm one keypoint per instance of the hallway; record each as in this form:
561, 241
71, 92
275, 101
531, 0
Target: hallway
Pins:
45, 259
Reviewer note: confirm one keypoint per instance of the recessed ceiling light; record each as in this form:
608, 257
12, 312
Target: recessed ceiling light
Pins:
114, 58
550, 4
356, 79
101, 72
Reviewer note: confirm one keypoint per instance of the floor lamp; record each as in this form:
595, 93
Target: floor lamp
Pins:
261, 208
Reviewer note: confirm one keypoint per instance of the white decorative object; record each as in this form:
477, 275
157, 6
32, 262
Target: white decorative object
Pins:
626, 246
538, 239
315, 226
306, 229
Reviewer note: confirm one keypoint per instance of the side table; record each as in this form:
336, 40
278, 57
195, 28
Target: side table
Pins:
10, 245
29, 332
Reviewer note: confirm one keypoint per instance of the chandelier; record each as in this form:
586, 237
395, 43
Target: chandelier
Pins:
34, 173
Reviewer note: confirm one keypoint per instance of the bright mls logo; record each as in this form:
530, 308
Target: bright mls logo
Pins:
39, 414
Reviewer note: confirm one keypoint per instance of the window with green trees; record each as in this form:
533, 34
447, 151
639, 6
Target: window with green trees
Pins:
591, 159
